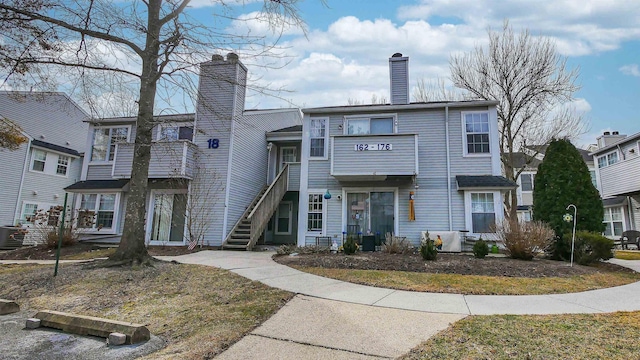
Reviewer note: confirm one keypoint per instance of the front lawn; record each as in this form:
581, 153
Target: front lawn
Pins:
599, 336
626, 254
198, 310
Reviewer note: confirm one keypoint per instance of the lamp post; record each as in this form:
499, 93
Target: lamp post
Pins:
568, 219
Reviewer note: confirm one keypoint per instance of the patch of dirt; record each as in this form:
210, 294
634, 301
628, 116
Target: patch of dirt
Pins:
447, 264
42, 252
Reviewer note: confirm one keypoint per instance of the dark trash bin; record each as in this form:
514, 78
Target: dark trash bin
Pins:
11, 237
369, 243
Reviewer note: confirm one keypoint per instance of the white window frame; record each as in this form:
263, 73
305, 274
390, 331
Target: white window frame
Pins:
51, 162
610, 221
396, 203
607, 159
108, 153
322, 212
532, 176
326, 138
159, 136
497, 208
295, 154
323, 231
116, 211
465, 147
290, 203
393, 117
33, 160
149, 224
65, 165
39, 206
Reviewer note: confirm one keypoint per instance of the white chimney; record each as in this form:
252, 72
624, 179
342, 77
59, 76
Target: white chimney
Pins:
399, 76
608, 138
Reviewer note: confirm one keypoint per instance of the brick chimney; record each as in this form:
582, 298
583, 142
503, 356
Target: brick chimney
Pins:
399, 76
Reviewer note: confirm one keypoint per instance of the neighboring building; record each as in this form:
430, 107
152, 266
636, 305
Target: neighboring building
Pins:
528, 160
274, 177
614, 170
618, 174
34, 176
205, 170
371, 158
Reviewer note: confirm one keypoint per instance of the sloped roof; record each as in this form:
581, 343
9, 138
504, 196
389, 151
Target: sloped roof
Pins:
520, 160
484, 182
51, 117
54, 147
295, 128
98, 185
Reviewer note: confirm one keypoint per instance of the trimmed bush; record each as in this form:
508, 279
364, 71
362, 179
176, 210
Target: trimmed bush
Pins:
350, 246
589, 248
428, 249
523, 240
480, 249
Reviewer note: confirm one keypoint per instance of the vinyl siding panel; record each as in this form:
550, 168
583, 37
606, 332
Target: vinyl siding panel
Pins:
294, 177
621, 177
13, 164
249, 162
400, 160
431, 198
99, 172
166, 160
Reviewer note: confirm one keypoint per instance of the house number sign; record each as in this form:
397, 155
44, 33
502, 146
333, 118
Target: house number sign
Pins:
213, 143
373, 147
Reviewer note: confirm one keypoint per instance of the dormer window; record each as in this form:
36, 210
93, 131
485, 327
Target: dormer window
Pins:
370, 126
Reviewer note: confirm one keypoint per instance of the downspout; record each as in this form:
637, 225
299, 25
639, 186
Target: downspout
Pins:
446, 132
18, 212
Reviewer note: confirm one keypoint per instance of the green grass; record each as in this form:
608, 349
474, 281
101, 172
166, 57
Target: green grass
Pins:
600, 336
475, 284
627, 255
198, 310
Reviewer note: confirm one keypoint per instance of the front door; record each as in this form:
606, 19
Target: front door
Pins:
168, 218
370, 213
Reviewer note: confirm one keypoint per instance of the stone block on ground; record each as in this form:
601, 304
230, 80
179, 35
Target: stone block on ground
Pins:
117, 338
89, 325
8, 307
33, 323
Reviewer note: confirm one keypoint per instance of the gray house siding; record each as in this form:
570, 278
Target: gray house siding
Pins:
99, 172
11, 174
431, 197
249, 162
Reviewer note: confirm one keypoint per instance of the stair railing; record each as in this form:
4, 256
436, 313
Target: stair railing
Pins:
242, 217
267, 205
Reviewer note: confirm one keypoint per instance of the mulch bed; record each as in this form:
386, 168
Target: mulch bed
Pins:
447, 264
42, 252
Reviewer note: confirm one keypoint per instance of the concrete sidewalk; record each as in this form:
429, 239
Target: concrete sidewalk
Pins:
259, 266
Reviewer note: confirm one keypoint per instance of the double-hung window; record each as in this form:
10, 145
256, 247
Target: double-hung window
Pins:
39, 160
526, 182
318, 138
483, 215
314, 215
97, 211
609, 159
63, 165
105, 140
613, 221
476, 132
173, 133
370, 126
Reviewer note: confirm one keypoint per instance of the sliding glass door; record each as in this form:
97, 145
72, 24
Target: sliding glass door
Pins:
168, 219
370, 212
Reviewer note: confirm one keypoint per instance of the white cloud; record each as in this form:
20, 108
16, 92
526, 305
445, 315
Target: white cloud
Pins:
631, 69
259, 24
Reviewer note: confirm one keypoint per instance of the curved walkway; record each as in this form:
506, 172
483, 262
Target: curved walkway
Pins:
260, 267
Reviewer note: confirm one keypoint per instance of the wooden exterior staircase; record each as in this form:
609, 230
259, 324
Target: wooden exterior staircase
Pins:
247, 230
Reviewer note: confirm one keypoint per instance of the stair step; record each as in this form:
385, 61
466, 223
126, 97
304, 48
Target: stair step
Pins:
230, 246
240, 237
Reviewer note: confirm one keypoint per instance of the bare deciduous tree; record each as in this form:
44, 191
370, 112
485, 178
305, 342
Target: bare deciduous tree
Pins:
151, 42
530, 80
436, 90
375, 100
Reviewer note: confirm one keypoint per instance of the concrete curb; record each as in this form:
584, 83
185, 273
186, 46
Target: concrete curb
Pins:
8, 307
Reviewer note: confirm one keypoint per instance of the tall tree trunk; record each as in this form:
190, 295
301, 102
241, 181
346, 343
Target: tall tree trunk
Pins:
132, 249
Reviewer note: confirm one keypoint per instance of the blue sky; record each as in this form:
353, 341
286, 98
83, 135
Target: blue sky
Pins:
348, 43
